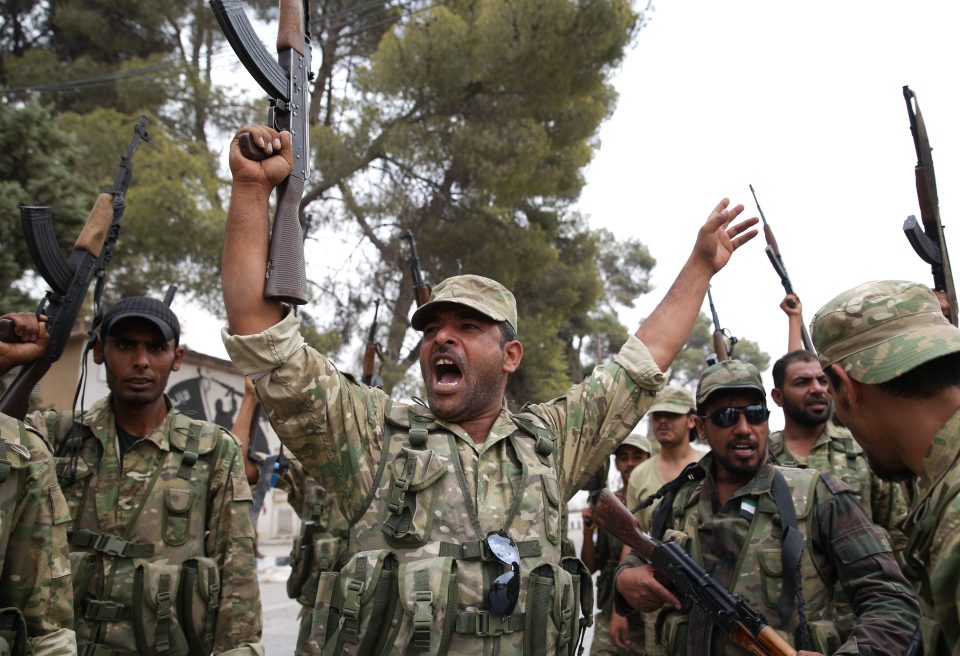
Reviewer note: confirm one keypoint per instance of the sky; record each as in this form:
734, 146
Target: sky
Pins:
803, 101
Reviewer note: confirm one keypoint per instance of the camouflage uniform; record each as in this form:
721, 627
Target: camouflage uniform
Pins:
162, 549
877, 332
422, 496
318, 548
739, 544
34, 557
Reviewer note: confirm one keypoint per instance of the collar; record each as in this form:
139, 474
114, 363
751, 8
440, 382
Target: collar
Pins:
941, 457
102, 423
501, 429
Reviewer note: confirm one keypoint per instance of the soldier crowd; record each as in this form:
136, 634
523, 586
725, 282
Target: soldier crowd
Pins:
437, 527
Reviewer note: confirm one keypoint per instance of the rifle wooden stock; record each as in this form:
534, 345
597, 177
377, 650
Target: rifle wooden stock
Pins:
422, 294
290, 32
690, 582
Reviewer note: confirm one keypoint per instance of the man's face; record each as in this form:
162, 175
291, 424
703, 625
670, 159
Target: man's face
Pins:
464, 367
740, 449
627, 457
883, 459
671, 429
138, 361
805, 396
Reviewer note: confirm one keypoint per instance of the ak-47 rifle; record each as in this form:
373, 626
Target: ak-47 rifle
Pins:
720, 335
928, 242
68, 279
373, 349
773, 253
420, 287
286, 80
710, 605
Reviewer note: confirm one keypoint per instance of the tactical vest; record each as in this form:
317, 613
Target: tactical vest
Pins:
843, 458
320, 545
418, 573
14, 457
148, 589
920, 528
758, 574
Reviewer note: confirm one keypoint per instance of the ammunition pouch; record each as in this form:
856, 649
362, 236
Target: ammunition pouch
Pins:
559, 608
361, 618
412, 497
174, 607
13, 633
308, 558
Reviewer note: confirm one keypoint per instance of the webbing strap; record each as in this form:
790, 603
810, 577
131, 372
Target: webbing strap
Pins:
398, 491
351, 601
191, 453
104, 610
692, 472
164, 613
477, 550
91, 649
4, 461
791, 550
111, 545
422, 610
481, 623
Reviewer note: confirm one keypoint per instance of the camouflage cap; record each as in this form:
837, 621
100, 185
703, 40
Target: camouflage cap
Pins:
673, 399
882, 329
728, 374
484, 295
637, 440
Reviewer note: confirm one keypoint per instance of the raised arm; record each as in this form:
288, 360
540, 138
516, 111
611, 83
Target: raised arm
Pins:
666, 330
794, 310
246, 243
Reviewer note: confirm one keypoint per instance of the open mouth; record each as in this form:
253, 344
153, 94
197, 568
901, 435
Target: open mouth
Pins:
743, 448
446, 373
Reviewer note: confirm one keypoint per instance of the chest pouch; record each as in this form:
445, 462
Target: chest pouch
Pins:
361, 618
412, 496
558, 608
428, 597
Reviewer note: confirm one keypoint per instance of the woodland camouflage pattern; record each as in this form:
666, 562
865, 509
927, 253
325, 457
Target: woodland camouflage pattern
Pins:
880, 330
842, 547
836, 452
728, 374
34, 556
484, 295
337, 427
933, 531
149, 503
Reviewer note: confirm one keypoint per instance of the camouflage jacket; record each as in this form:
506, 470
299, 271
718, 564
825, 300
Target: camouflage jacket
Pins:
34, 556
172, 523
933, 530
836, 452
339, 429
738, 544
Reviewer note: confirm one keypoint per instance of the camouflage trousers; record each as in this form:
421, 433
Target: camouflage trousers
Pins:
602, 646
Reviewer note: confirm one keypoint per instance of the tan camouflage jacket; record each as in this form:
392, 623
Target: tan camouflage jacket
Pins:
933, 531
34, 556
172, 524
738, 544
337, 428
836, 452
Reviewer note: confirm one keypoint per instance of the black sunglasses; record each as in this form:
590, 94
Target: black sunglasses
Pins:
726, 417
505, 590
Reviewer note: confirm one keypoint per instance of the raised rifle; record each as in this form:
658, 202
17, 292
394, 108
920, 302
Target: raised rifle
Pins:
68, 279
773, 254
286, 80
720, 351
371, 352
420, 287
928, 241
711, 606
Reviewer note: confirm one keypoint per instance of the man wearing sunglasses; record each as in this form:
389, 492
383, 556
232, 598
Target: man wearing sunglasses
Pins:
455, 505
783, 538
893, 361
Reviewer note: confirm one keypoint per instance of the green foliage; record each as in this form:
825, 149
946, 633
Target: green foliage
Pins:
692, 360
